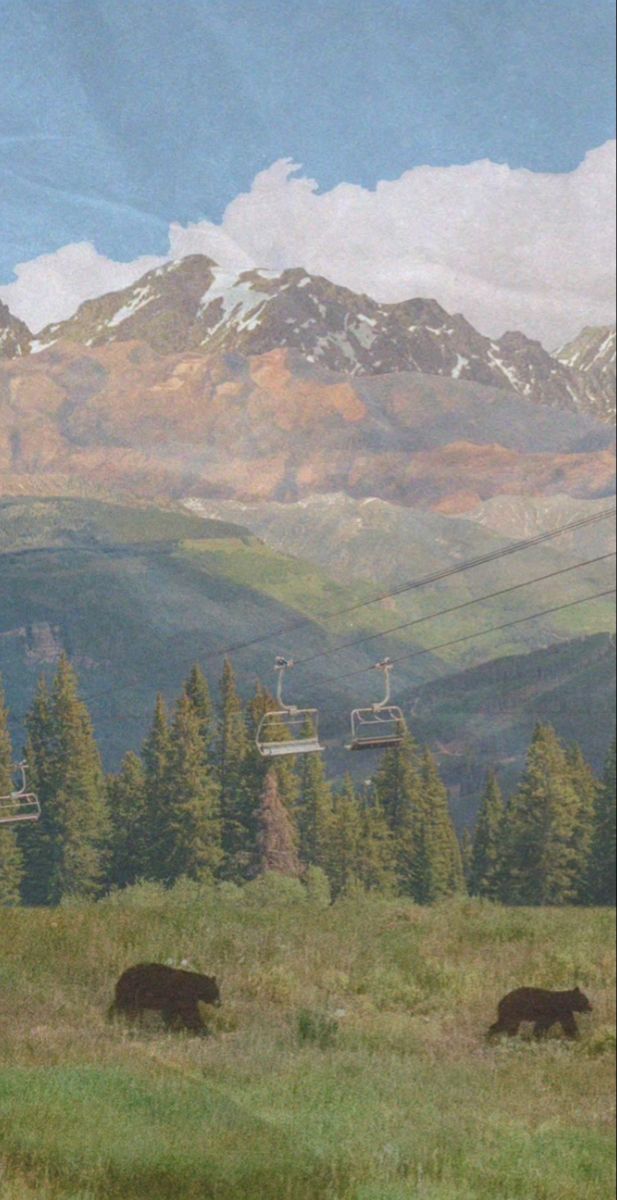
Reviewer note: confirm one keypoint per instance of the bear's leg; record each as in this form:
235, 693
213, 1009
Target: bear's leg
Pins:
542, 1027
190, 1016
131, 1013
167, 1016
569, 1026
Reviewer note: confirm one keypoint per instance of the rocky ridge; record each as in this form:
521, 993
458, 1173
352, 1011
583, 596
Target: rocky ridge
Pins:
15, 337
272, 427
194, 305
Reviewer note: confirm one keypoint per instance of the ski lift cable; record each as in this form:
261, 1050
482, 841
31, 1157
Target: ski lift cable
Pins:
453, 608
468, 637
423, 581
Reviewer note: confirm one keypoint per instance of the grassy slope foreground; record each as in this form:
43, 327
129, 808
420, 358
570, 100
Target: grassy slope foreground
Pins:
404, 1098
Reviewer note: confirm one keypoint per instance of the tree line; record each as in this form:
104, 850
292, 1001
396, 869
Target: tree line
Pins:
200, 801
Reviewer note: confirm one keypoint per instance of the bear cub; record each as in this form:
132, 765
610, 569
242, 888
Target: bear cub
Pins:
172, 992
543, 1007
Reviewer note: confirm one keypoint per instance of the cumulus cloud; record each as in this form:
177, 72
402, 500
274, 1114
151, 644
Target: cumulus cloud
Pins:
511, 249
51, 287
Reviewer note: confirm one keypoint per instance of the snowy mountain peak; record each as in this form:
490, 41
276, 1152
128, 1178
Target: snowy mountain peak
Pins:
194, 305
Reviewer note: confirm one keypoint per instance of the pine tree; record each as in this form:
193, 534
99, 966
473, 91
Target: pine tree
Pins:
240, 790
197, 691
276, 834
398, 789
156, 754
194, 825
378, 859
11, 857
587, 788
486, 869
345, 848
467, 857
314, 812
130, 841
42, 844
602, 868
540, 830
439, 864
11, 868
76, 829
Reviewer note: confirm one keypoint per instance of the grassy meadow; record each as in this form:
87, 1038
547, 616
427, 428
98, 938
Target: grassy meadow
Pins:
348, 1061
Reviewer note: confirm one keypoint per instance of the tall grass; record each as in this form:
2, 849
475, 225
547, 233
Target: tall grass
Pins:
348, 1061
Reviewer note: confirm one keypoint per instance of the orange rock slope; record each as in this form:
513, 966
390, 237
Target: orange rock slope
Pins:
122, 419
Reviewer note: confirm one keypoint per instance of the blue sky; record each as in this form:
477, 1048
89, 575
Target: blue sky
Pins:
118, 117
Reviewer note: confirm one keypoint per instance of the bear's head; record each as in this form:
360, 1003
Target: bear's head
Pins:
209, 991
580, 1003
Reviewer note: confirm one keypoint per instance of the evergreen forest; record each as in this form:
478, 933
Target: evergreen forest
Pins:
199, 802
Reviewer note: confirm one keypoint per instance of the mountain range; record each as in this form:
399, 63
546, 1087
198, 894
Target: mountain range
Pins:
124, 419
193, 305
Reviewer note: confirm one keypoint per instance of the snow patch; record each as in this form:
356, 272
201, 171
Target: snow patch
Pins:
365, 335
141, 297
461, 362
242, 304
509, 372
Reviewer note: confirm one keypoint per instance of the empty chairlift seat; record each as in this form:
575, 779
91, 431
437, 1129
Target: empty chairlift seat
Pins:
381, 726
288, 730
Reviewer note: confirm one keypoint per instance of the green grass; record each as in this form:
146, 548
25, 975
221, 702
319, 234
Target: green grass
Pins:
348, 1061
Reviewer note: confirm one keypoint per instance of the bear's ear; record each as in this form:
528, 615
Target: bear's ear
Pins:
577, 991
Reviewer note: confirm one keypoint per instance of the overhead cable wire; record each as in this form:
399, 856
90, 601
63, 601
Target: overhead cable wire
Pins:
423, 581
468, 637
514, 587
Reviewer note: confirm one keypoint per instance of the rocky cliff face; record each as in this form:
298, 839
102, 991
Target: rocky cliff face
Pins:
15, 337
194, 305
592, 350
123, 419
592, 354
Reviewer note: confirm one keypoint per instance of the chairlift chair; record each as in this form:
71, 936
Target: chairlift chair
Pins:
381, 726
20, 805
289, 721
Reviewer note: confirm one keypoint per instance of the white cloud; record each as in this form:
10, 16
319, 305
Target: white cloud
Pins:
511, 249
52, 287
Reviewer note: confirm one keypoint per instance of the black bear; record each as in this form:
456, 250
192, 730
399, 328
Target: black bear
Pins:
172, 992
542, 1007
